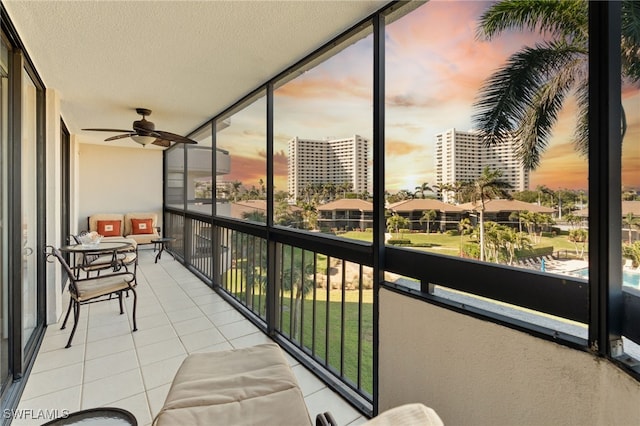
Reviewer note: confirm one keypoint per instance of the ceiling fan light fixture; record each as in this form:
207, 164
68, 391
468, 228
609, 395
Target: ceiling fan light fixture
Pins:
143, 140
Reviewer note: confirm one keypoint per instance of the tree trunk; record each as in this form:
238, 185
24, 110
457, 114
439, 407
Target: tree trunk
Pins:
482, 235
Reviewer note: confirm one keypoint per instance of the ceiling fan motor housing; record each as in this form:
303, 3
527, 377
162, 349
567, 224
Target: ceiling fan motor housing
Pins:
143, 126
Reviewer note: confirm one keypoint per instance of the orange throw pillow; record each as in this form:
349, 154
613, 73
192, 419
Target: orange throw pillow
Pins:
142, 226
109, 228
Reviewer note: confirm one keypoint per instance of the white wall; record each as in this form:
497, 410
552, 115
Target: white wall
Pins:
475, 372
114, 179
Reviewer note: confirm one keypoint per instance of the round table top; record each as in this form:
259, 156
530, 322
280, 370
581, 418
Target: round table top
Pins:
100, 247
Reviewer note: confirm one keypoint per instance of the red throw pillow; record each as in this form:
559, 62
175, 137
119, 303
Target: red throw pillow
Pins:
142, 226
109, 228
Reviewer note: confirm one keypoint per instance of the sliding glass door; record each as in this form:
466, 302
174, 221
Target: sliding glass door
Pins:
29, 191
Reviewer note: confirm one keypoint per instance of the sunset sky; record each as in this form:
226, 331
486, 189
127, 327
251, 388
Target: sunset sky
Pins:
434, 69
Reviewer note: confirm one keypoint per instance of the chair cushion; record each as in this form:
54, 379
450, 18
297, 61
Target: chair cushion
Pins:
100, 286
252, 385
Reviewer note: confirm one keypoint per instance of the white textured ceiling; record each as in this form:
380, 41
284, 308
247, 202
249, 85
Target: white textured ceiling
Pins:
185, 60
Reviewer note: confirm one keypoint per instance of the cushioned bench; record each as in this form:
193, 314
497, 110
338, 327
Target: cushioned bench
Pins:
139, 228
252, 385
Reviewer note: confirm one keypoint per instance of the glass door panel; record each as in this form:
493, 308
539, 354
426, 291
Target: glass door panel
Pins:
29, 208
4, 253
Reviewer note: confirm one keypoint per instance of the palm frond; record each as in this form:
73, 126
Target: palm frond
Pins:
568, 18
534, 132
507, 95
631, 40
581, 135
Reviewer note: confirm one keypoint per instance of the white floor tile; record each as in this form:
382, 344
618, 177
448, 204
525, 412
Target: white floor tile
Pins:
160, 351
110, 389
53, 380
193, 325
327, 400
307, 381
58, 358
136, 405
200, 339
157, 397
237, 329
59, 402
153, 335
109, 346
106, 366
162, 372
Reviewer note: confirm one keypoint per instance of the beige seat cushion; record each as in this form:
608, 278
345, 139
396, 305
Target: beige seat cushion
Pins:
100, 286
407, 415
141, 238
249, 386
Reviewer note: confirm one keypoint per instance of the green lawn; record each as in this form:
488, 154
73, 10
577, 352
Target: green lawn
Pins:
450, 244
324, 339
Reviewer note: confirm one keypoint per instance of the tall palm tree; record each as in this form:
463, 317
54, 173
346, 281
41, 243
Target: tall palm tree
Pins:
484, 188
630, 221
464, 227
421, 189
428, 216
523, 98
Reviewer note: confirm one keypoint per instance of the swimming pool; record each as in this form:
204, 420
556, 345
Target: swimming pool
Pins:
631, 279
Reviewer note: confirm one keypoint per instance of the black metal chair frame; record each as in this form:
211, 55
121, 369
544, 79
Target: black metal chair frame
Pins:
75, 284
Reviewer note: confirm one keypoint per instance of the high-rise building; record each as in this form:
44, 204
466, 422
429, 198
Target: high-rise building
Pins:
461, 157
322, 161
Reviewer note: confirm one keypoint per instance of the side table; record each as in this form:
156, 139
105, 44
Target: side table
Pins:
163, 243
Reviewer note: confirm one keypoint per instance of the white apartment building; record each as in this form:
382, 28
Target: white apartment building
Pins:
461, 157
322, 161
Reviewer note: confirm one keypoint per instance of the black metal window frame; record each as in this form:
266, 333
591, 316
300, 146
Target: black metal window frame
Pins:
21, 360
598, 302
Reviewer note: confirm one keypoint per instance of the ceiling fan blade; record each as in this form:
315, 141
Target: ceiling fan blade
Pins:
109, 130
171, 137
126, 135
162, 142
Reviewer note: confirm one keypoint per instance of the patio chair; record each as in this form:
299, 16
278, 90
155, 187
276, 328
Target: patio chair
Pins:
93, 289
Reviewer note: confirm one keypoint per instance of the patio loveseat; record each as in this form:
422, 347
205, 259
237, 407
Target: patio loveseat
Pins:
140, 228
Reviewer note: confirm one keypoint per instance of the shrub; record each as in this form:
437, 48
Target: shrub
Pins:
471, 250
421, 245
399, 242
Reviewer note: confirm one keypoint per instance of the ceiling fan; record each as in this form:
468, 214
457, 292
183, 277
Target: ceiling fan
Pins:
144, 132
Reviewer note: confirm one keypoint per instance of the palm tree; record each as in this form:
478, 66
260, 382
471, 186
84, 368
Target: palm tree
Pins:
516, 216
630, 221
464, 227
523, 97
486, 187
421, 189
235, 189
428, 216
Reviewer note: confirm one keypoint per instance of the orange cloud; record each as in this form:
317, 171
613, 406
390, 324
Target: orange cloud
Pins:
317, 85
398, 148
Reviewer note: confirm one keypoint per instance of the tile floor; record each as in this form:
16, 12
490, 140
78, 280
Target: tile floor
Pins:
108, 365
